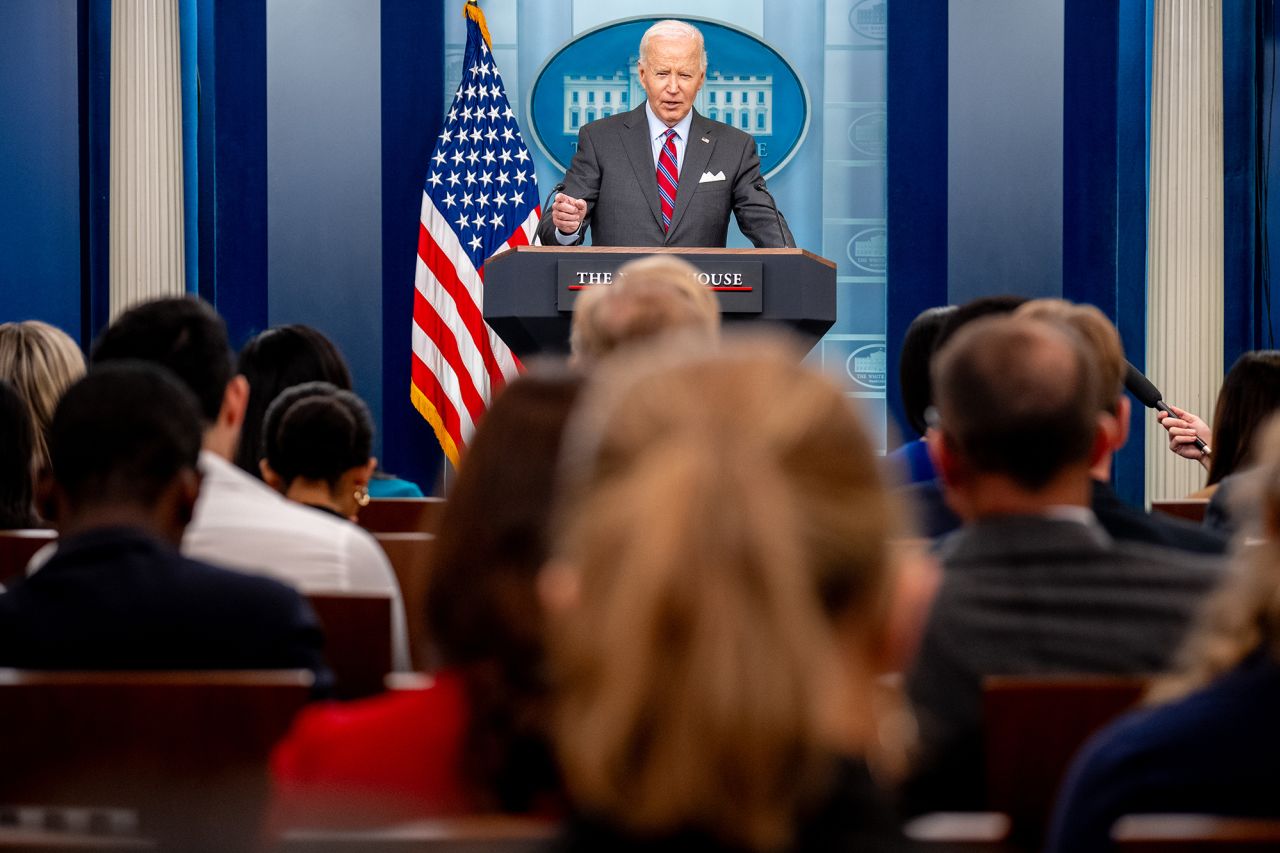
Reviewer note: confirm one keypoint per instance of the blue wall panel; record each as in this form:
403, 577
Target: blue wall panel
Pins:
1005, 137
40, 274
412, 114
324, 172
917, 174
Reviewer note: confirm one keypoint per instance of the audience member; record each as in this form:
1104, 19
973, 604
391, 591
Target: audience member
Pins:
17, 440
1211, 745
40, 361
475, 739
284, 356
912, 459
650, 296
240, 522
1121, 521
123, 447
1250, 394
720, 581
276, 359
934, 517
1032, 584
318, 445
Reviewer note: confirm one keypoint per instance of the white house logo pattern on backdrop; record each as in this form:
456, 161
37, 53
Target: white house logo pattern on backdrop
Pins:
749, 86
869, 251
868, 366
870, 18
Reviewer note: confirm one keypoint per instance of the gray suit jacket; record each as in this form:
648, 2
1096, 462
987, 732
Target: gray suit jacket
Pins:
613, 172
1028, 595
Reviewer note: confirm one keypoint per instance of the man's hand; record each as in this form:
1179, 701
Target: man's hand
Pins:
567, 213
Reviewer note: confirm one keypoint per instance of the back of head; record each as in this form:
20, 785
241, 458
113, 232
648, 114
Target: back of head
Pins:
652, 296
1250, 394
40, 362
182, 334
277, 359
16, 442
317, 432
913, 363
1016, 398
483, 614
122, 434
1097, 333
721, 512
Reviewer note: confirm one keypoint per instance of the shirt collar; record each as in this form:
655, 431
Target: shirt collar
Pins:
657, 126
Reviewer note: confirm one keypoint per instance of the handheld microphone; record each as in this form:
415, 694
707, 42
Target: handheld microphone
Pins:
788, 241
1149, 395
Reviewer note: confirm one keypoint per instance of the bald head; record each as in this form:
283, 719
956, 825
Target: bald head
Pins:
1017, 397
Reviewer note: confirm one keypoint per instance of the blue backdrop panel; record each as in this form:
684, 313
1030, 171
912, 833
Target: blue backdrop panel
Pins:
40, 274
917, 174
324, 170
1004, 176
412, 114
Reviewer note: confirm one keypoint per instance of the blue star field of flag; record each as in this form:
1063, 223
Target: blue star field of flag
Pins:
481, 175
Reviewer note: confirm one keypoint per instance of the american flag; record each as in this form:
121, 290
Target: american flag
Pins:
480, 197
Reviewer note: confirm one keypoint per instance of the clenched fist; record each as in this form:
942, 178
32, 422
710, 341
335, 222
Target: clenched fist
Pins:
567, 213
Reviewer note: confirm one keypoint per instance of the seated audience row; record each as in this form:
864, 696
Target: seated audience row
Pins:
123, 448
1032, 582
239, 521
1210, 743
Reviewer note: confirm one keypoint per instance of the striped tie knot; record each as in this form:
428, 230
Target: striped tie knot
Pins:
668, 181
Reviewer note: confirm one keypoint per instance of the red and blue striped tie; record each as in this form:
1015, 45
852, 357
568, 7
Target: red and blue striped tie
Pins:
667, 181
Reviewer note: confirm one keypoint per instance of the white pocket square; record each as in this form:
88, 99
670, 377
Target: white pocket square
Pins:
708, 177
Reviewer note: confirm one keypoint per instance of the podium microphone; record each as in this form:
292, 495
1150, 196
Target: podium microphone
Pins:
788, 241
546, 205
1149, 395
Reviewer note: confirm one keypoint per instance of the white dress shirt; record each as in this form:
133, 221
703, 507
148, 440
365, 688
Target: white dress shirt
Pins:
241, 523
657, 138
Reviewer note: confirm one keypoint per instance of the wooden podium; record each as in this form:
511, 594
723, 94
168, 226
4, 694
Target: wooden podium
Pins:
529, 291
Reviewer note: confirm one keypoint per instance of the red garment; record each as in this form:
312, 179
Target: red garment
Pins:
391, 757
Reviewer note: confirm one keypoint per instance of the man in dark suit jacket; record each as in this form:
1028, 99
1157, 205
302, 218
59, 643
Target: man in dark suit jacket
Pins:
117, 594
1032, 583
622, 186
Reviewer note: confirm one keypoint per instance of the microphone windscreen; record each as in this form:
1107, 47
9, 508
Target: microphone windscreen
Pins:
1140, 386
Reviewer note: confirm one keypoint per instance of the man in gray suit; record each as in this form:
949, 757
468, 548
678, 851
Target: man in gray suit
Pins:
661, 174
1032, 584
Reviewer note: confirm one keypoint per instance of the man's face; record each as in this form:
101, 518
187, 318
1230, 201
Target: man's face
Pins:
672, 75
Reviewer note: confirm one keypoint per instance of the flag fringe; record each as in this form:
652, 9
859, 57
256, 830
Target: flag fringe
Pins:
471, 10
428, 410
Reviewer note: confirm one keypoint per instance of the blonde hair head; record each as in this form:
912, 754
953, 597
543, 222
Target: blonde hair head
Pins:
40, 361
648, 297
722, 511
1099, 335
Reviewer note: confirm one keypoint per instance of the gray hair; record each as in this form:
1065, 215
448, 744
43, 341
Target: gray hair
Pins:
674, 30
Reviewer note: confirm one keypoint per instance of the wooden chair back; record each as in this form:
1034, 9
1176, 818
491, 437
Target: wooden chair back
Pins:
1185, 833
1033, 726
357, 640
184, 753
1188, 509
401, 515
17, 547
410, 556
469, 834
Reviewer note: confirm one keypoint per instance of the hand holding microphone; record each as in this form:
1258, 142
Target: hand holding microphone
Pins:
1189, 437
